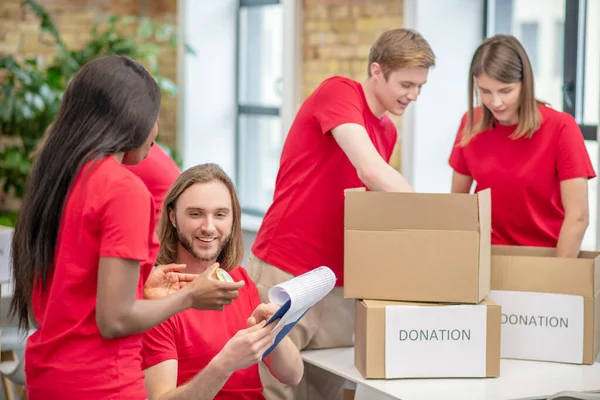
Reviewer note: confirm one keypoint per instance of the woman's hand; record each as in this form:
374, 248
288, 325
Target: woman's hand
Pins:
207, 293
165, 280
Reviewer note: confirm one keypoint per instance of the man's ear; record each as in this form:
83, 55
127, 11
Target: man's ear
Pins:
172, 217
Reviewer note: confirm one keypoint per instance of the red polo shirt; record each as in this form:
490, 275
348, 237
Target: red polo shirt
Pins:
304, 227
158, 171
524, 176
194, 338
108, 213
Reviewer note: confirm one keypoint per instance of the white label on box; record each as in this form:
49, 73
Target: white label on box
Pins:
541, 326
435, 341
5, 243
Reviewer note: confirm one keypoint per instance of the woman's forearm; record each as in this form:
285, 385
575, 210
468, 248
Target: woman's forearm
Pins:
143, 315
570, 237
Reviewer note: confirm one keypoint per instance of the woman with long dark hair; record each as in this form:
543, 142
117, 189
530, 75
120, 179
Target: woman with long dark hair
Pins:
84, 244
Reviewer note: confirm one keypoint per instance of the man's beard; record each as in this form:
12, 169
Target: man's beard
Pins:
187, 244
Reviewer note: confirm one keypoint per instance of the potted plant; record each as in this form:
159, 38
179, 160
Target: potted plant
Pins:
31, 90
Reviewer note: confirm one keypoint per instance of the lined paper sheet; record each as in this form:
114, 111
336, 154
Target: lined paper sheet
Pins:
296, 296
303, 292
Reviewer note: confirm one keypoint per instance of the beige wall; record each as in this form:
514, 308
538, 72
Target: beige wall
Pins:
337, 36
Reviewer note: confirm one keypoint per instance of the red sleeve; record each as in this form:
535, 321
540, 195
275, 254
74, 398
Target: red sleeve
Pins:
391, 135
338, 102
249, 287
457, 157
572, 159
158, 171
159, 344
126, 220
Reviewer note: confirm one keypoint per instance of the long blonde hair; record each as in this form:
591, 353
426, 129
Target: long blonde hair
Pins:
503, 58
232, 254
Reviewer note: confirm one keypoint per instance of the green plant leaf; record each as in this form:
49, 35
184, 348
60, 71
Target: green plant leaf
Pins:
145, 30
8, 219
167, 85
164, 32
189, 49
12, 158
128, 20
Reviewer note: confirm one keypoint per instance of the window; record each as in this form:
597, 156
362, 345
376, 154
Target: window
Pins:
259, 96
591, 87
526, 19
529, 38
559, 48
565, 66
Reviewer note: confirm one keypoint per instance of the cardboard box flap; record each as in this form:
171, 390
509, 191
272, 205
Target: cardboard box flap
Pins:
547, 274
382, 303
390, 211
526, 251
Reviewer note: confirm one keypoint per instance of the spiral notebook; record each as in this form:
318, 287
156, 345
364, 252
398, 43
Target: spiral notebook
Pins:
296, 296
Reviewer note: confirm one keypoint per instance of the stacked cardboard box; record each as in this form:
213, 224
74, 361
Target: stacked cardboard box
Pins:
550, 305
419, 267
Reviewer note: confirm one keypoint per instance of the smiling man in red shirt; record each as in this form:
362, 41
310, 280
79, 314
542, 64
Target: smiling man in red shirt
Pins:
212, 354
340, 139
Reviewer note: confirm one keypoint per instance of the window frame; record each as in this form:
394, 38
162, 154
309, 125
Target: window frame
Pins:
245, 108
573, 59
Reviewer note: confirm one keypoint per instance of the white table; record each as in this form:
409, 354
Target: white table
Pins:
518, 379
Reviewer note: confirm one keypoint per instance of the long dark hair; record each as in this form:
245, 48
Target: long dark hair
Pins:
110, 106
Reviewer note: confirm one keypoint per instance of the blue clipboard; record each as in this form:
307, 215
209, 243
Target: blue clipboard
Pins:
286, 329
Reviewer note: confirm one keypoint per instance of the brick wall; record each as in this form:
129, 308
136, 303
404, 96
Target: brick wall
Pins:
20, 35
337, 36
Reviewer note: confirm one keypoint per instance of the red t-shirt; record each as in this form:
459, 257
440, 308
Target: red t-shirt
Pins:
194, 338
304, 227
524, 176
158, 171
108, 213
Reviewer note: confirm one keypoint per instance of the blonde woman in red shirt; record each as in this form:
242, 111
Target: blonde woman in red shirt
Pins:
531, 156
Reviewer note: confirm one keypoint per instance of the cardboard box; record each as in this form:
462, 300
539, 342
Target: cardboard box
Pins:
419, 340
550, 305
6, 234
417, 247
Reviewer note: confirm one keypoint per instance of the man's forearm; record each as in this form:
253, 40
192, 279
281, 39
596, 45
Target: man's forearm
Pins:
383, 177
204, 386
285, 363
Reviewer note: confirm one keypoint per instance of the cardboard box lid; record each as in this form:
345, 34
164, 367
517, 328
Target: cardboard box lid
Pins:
382, 303
529, 251
390, 211
535, 269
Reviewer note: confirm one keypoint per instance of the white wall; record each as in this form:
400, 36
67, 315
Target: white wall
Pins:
208, 83
454, 29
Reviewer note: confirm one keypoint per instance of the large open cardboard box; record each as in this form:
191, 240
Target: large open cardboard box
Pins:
550, 305
378, 332
417, 247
